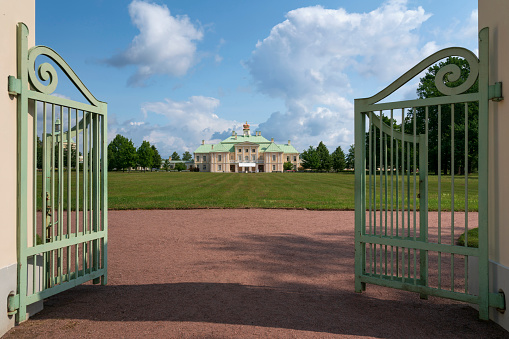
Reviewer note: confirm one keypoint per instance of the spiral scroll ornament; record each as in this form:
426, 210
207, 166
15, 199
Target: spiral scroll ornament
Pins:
47, 73
452, 73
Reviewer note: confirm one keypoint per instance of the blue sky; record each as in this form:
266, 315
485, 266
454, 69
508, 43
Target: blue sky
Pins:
177, 72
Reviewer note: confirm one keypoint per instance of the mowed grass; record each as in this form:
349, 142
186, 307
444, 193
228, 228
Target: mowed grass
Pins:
317, 191
327, 191
174, 190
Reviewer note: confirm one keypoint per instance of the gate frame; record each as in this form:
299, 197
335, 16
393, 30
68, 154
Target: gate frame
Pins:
480, 65
38, 92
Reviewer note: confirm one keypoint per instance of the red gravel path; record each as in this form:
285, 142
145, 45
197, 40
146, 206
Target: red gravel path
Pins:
242, 273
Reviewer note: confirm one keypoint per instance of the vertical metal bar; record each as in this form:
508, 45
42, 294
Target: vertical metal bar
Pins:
392, 192
22, 169
415, 192
96, 198
380, 140
439, 194
409, 167
397, 205
386, 198
483, 173
85, 187
452, 194
34, 195
360, 195
52, 181
104, 194
374, 195
69, 186
466, 195
60, 192
403, 192
370, 145
44, 193
423, 202
77, 209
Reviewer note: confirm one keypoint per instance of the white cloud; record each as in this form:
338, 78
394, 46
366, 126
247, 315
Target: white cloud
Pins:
186, 124
310, 59
166, 44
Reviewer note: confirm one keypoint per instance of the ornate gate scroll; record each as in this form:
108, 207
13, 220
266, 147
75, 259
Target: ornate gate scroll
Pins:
395, 243
62, 181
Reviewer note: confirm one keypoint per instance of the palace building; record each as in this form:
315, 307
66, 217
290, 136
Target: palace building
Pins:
245, 153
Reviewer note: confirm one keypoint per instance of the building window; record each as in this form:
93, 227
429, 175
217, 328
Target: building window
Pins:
219, 157
273, 167
294, 158
287, 158
204, 167
240, 157
253, 150
197, 158
273, 157
246, 157
246, 150
219, 167
254, 157
204, 158
240, 149
294, 167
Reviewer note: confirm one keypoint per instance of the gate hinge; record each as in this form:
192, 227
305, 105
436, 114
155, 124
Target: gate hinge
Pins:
497, 300
14, 85
12, 304
495, 92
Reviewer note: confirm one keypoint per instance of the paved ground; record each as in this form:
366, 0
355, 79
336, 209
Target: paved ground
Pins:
242, 273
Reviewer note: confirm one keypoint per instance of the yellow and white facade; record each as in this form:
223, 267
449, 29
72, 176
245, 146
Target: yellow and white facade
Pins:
245, 153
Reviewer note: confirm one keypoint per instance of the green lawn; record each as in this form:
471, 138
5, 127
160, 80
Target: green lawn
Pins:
177, 190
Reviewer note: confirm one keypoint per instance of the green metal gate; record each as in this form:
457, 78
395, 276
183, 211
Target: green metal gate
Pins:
62, 181
396, 244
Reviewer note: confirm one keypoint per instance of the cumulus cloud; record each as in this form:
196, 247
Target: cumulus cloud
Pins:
166, 44
186, 123
309, 61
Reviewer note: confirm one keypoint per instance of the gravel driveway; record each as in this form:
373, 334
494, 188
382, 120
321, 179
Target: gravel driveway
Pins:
245, 274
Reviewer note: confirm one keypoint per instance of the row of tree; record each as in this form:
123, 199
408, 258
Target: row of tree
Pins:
319, 158
123, 155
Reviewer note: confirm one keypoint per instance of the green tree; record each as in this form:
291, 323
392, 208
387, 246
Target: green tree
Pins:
287, 166
175, 156
187, 156
324, 157
310, 158
145, 155
180, 166
338, 159
166, 165
350, 157
156, 158
121, 153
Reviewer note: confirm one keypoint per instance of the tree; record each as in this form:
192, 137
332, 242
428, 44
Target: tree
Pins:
350, 157
180, 166
166, 165
287, 166
310, 158
187, 156
145, 155
156, 159
121, 153
324, 157
338, 159
175, 156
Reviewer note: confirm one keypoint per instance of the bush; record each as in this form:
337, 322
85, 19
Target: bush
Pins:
473, 238
180, 167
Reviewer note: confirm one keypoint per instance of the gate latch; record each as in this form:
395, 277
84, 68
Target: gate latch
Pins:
495, 92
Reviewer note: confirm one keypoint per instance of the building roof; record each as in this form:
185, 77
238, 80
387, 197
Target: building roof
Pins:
272, 148
228, 144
